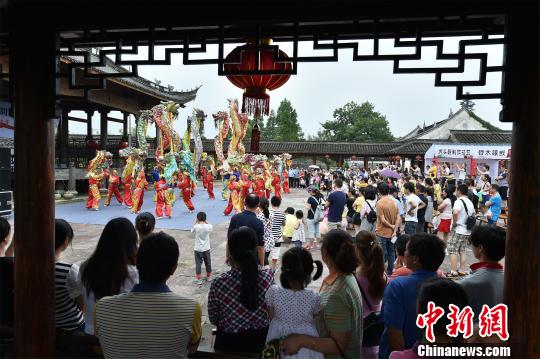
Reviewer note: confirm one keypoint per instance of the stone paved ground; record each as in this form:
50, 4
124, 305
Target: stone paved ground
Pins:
86, 237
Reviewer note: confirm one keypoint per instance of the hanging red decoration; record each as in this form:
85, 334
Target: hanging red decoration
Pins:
353, 157
418, 158
255, 138
91, 144
255, 99
122, 144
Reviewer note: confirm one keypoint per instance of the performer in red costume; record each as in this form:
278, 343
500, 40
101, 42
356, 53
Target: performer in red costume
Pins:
126, 182
138, 196
204, 171
114, 181
161, 198
259, 186
93, 189
210, 184
186, 187
276, 183
246, 186
285, 184
232, 189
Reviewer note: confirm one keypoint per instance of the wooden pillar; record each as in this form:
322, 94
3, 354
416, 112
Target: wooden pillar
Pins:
103, 128
33, 68
366, 162
63, 137
521, 105
136, 141
125, 125
89, 115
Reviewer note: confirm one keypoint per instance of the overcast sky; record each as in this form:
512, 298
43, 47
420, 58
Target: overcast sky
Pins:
406, 100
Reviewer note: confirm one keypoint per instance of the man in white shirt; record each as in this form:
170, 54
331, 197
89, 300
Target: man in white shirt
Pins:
202, 230
458, 241
413, 204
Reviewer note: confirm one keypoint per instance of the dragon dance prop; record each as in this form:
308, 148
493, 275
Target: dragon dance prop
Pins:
221, 122
196, 123
239, 123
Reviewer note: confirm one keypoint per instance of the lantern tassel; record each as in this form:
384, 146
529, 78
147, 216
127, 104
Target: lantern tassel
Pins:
256, 105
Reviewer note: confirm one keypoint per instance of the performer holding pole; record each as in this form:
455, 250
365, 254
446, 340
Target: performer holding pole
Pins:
114, 181
186, 188
285, 185
138, 196
94, 196
162, 201
276, 183
127, 182
259, 186
210, 184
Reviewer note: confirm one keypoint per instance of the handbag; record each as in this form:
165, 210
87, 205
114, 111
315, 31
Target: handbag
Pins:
471, 219
373, 326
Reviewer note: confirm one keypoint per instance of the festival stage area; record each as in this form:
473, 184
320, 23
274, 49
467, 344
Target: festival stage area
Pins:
76, 212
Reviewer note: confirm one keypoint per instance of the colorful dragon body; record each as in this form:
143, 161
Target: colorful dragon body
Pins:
239, 127
164, 115
134, 160
221, 122
142, 127
197, 123
101, 161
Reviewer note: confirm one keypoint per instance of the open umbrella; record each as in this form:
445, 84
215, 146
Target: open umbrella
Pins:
314, 167
387, 172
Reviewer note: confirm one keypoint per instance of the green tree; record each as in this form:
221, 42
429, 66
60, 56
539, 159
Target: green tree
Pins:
270, 129
354, 122
288, 128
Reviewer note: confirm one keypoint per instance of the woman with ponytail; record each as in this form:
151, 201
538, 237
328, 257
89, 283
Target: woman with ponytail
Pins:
236, 304
371, 280
341, 303
292, 307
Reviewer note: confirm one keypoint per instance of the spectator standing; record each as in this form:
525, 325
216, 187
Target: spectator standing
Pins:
341, 303
292, 307
458, 243
357, 207
236, 300
127, 324
445, 214
313, 202
299, 234
400, 267
368, 212
277, 217
472, 193
412, 206
144, 224
248, 218
494, 204
424, 255
68, 300
371, 280
290, 224
428, 216
110, 270
421, 214
336, 204
485, 284
502, 182
263, 213
387, 224
202, 230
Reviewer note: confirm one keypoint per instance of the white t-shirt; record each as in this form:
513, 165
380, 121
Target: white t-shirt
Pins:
202, 236
412, 200
90, 300
447, 211
461, 224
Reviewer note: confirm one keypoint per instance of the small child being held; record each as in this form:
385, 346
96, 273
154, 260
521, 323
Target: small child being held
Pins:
202, 230
290, 224
486, 211
292, 307
299, 235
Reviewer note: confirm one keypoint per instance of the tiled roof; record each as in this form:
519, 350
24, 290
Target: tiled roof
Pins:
140, 83
481, 136
411, 147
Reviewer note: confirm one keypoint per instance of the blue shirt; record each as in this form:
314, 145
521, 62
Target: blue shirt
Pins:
399, 308
248, 219
496, 205
337, 200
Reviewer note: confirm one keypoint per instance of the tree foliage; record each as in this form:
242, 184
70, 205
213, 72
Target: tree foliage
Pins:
250, 125
354, 122
283, 125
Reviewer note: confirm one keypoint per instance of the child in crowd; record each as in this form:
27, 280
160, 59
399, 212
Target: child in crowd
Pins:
277, 219
486, 211
400, 266
292, 307
299, 235
290, 224
144, 224
202, 230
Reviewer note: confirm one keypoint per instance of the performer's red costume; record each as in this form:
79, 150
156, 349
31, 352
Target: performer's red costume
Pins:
286, 182
138, 196
276, 183
210, 185
186, 187
93, 190
127, 181
204, 171
233, 195
114, 181
259, 187
161, 198
246, 186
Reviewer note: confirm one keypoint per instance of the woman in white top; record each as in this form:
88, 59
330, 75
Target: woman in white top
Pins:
445, 212
110, 270
369, 204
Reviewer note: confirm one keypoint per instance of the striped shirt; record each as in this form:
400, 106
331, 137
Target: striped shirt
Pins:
67, 314
278, 220
148, 322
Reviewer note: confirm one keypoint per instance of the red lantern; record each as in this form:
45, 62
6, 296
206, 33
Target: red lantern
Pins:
91, 144
255, 99
122, 144
255, 138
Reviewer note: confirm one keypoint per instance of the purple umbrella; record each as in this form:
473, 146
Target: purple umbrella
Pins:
387, 172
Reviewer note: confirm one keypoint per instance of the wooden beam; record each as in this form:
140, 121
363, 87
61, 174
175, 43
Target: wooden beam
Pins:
521, 105
89, 115
63, 135
103, 130
34, 94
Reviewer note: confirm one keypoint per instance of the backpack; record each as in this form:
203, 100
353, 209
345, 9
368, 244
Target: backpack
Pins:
372, 215
318, 215
471, 218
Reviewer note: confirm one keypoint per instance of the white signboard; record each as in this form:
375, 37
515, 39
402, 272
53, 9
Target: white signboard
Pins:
493, 152
7, 123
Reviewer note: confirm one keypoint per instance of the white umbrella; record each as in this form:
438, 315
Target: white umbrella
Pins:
314, 167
